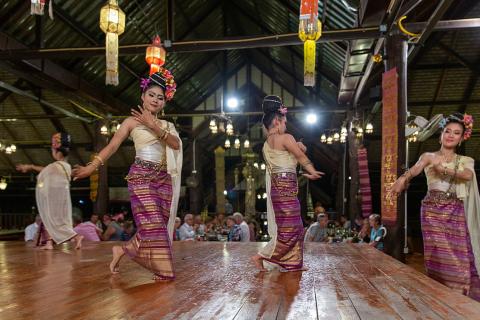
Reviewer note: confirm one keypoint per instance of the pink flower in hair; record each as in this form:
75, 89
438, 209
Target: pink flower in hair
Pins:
283, 110
144, 82
468, 123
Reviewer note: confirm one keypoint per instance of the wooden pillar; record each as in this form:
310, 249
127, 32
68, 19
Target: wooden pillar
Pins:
340, 196
100, 206
220, 179
393, 148
353, 204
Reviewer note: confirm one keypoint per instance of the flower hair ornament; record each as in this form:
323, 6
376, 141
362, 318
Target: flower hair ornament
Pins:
467, 121
282, 109
164, 79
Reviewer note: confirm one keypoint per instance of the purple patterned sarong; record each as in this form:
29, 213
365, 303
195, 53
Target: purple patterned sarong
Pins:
151, 197
288, 251
448, 253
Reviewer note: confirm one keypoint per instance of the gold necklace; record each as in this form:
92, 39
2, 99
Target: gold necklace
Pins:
445, 160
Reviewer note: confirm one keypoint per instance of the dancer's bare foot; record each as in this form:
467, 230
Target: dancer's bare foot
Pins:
78, 241
257, 260
48, 246
118, 253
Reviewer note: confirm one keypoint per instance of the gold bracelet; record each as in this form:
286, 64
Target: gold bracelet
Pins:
306, 163
93, 164
99, 159
163, 136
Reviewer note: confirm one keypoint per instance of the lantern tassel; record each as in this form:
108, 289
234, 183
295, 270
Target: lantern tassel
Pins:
37, 7
154, 68
111, 76
309, 49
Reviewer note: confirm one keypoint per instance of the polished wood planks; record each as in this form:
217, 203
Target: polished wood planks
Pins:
217, 281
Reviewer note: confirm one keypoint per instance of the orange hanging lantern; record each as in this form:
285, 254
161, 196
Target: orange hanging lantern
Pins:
309, 31
155, 55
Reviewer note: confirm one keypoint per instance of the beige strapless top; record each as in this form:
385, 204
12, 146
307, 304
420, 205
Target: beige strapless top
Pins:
436, 181
147, 145
279, 160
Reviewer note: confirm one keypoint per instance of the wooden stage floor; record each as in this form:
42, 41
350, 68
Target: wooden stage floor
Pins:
216, 281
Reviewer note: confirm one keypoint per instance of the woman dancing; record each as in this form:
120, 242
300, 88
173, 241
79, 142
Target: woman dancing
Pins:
281, 153
450, 213
153, 179
52, 193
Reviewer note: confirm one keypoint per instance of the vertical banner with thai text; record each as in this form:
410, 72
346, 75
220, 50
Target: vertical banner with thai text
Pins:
389, 144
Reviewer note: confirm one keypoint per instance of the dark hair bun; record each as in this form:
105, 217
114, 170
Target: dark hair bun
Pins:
271, 104
66, 140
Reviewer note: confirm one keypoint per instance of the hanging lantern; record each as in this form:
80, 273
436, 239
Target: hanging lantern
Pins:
229, 129
104, 130
246, 145
323, 138
13, 147
8, 150
309, 31
38, 7
227, 143
369, 128
262, 166
343, 139
155, 55
236, 144
213, 126
259, 196
112, 22
343, 131
3, 184
336, 137
330, 140
255, 164
359, 132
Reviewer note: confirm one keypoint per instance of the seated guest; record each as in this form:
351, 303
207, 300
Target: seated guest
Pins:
252, 226
245, 234
378, 232
94, 219
344, 222
199, 225
113, 231
187, 231
317, 232
176, 234
88, 230
235, 231
32, 229
128, 230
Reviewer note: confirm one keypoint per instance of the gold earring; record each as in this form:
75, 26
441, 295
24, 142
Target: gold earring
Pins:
460, 143
163, 113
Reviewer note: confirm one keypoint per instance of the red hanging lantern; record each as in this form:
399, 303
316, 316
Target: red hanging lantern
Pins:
155, 55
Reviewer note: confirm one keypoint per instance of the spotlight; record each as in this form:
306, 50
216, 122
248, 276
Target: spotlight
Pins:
311, 118
232, 103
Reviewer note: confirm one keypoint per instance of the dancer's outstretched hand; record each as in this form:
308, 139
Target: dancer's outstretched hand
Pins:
24, 168
314, 176
144, 116
80, 172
